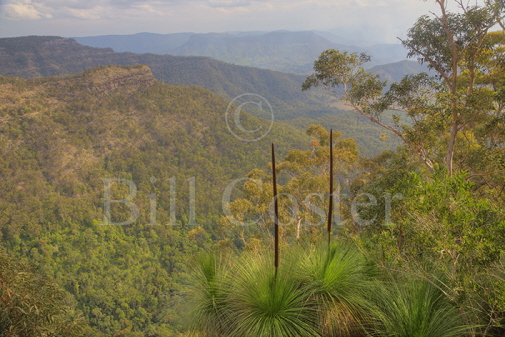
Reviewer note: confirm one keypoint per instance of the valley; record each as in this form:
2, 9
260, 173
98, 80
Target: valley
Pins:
251, 182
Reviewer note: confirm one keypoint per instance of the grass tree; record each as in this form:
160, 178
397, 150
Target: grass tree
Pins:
338, 279
414, 307
266, 302
315, 292
209, 311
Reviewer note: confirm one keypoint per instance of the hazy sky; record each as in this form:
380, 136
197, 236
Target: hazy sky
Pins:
384, 19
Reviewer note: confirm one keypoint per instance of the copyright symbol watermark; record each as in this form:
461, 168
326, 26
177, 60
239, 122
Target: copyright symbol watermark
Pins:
246, 129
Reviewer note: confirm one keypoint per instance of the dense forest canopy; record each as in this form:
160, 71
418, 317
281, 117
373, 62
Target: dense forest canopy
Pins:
62, 137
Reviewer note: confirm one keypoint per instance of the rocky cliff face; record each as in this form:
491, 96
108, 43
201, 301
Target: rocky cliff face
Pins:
105, 80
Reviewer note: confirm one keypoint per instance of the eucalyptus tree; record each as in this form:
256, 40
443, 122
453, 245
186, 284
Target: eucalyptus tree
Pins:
453, 119
33, 305
303, 177
453, 123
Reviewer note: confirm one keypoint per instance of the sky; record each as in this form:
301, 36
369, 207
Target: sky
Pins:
378, 20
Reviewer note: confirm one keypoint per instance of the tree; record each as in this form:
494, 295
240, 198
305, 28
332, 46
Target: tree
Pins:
32, 305
439, 118
451, 225
303, 195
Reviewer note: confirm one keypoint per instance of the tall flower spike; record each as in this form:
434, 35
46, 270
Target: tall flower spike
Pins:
276, 210
330, 206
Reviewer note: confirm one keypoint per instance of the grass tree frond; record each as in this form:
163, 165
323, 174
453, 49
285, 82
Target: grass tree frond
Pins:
265, 305
414, 307
209, 313
339, 280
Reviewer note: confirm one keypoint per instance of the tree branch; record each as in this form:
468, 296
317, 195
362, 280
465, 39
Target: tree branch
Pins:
426, 161
483, 174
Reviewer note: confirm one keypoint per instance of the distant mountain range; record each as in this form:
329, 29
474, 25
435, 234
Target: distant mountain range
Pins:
394, 72
137, 43
280, 50
31, 57
36, 56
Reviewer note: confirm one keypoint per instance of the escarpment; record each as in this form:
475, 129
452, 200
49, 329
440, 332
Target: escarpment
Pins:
127, 79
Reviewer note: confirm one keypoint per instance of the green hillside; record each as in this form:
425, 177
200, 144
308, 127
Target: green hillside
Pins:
60, 137
371, 140
394, 72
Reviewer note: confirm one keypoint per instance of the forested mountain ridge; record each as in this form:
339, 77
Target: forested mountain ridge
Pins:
287, 51
60, 137
283, 51
394, 72
37, 56
122, 112
33, 56
137, 43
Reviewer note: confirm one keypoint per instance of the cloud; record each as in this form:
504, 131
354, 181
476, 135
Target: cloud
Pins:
23, 10
94, 13
87, 10
388, 18
369, 3
111, 9
228, 3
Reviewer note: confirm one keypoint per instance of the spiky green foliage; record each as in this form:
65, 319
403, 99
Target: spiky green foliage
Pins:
315, 292
266, 303
338, 279
318, 291
416, 308
209, 310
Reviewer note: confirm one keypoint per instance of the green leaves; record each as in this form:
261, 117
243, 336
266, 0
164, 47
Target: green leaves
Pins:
316, 292
246, 298
443, 117
265, 304
209, 312
414, 307
441, 42
339, 280
343, 74
33, 305
449, 236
